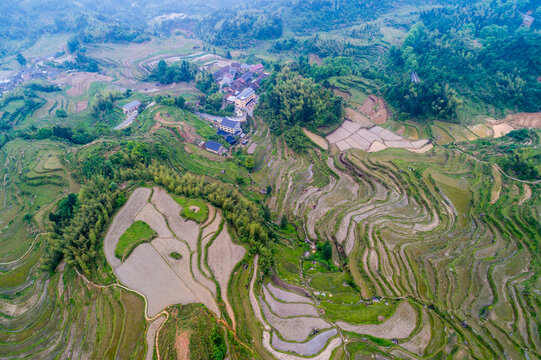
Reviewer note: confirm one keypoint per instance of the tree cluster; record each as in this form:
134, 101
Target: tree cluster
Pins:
174, 73
239, 28
76, 240
478, 51
291, 100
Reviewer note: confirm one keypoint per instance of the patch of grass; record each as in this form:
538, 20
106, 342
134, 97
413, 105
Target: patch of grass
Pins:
359, 313
136, 234
175, 255
200, 212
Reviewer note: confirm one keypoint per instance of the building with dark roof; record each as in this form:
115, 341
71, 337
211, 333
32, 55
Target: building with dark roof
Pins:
229, 126
231, 139
214, 147
131, 107
246, 76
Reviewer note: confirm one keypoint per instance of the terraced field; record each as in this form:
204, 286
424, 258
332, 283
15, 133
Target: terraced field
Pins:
445, 241
61, 316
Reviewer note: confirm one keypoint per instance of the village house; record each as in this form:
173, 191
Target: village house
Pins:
131, 108
257, 69
229, 126
215, 147
244, 98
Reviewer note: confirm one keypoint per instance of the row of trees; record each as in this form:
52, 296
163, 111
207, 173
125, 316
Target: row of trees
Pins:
77, 240
242, 214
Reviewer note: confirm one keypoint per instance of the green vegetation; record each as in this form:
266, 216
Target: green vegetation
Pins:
293, 100
138, 233
168, 74
193, 322
518, 153
487, 57
201, 210
175, 255
239, 28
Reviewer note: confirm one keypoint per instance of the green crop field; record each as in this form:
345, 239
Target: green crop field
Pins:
138, 232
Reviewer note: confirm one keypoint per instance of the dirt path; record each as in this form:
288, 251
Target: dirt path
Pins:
318, 140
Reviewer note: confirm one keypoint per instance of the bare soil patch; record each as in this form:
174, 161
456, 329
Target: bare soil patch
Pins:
186, 131
352, 136
375, 108
155, 220
497, 185
358, 118
346, 95
182, 268
398, 326
146, 271
318, 140
502, 129
525, 120
184, 229
286, 295
122, 222
294, 288
527, 195
182, 345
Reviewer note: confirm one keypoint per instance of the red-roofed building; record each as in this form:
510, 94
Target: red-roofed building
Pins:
257, 68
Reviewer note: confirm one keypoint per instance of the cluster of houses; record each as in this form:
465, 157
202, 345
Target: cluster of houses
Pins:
37, 69
232, 133
239, 83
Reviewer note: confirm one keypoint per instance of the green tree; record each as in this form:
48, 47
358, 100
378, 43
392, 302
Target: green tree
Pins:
21, 59
249, 162
61, 113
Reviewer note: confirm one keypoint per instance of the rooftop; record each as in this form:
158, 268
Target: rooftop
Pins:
230, 123
246, 93
131, 105
213, 145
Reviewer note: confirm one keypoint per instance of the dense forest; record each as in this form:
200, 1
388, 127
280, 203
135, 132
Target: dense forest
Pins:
480, 52
291, 99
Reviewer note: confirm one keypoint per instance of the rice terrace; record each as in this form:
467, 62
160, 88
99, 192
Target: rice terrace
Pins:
292, 180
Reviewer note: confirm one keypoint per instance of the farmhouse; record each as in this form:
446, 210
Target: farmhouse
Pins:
244, 98
256, 68
214, 147
229, 126
131, 107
